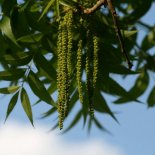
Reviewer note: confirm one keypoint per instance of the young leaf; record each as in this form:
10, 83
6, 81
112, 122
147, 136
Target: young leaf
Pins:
45, 66
19, 58
127, 33
101, 105
6, 29
151, 98
97, 123
75, 121
39, 89
12, 74
9, 90
31, 38
137, 90
11, 105
46, 8
49, 112
57, 9
26, 105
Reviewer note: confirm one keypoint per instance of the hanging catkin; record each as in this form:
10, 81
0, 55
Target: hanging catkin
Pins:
79, 70
64, 50
89, 72
95, 59
62, 71
69, 24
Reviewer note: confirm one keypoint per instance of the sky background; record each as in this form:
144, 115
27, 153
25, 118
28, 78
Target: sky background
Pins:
134, 135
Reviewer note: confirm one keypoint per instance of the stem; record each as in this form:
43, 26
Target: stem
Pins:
98, 4
118, 32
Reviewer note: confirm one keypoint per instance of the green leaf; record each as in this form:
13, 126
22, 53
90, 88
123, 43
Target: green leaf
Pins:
46, 8
11, 75
137, 90
6, 29
151, 98
11, 105
32, 38
74, 122
99, 125
26, 105
39, 89
19, 58
8, 5
149, 40
9, 90
57, 9
69, 3
127, 33
101, 105
49, 112
45, 66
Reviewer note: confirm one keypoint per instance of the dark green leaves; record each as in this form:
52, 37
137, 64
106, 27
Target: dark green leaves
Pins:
45, 67
17, 59
12, 74
39, 89
137, 90
46, 8
11, 105
9, 90
26, 105
7, 30
28, 54
151, 98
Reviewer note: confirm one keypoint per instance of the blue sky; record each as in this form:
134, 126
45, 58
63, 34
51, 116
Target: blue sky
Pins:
133, 136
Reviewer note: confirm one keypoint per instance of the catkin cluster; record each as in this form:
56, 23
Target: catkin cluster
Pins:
85, 48
64, 50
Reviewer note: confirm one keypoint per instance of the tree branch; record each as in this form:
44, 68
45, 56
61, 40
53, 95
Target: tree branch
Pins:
118, 32
115, 20
95, 7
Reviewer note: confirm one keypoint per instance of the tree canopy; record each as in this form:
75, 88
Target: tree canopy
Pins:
74, 49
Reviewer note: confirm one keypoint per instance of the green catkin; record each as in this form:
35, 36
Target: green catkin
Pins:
62, 71
95, 59
64, 50
69, 23
59, 73
79, 70
89, 73
70, 41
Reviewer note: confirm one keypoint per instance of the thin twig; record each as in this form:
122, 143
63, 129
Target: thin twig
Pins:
95, 7
118, 32
115, 20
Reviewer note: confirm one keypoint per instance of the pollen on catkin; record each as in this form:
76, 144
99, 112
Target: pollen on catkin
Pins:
62, 71
79, 70
64, 51
95, 59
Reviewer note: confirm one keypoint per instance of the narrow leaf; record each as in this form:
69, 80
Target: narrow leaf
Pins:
45, 66
39, 89
127, 33
6, 29
101, 105
31, 38
9, 90
12, 74
137, 90
19, 58
75, 121
151, 98
46, 8
11, 105
26, 105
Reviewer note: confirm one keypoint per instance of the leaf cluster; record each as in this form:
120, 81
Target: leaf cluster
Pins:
28, 54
